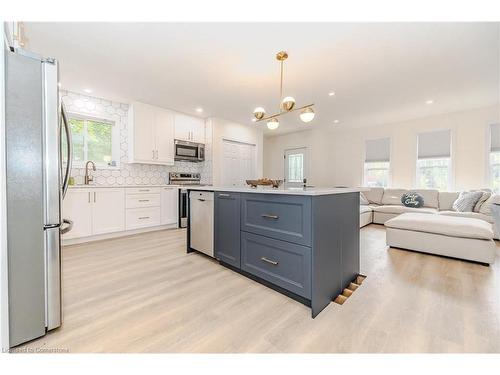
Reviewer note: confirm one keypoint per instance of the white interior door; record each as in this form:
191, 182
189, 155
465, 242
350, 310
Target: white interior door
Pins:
238, 163
295, 166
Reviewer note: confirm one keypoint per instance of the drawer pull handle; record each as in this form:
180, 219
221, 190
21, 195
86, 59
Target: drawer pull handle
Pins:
201, 200
143, 200
143, 189
144, 217
264, 259
224, 195
267, 216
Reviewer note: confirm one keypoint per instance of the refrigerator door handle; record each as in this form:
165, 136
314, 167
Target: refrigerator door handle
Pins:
66, 228
69, 161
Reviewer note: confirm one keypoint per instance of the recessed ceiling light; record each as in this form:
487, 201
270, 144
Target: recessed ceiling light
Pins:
88, 91
336, 121
332, 93
199, 110
430, 101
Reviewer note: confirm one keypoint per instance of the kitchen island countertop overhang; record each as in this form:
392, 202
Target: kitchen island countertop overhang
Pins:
301, 242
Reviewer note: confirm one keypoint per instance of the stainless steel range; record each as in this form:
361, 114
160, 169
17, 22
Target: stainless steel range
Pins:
181, 178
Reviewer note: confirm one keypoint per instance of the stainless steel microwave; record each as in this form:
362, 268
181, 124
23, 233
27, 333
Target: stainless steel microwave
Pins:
189, 151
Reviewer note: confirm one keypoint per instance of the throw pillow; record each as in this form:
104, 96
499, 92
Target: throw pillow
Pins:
485, 208
412, 199
481, 200
363, 200
467, 200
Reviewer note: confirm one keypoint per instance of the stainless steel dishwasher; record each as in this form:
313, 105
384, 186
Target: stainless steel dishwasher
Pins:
201, 212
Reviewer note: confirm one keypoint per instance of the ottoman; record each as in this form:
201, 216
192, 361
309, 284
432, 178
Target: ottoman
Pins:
456, 237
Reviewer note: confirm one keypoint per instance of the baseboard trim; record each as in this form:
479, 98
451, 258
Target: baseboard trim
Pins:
75, 241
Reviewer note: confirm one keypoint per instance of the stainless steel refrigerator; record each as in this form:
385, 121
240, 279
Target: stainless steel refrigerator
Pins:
37, 179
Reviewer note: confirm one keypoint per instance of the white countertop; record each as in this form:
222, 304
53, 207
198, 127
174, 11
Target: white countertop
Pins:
117, 186
281, 190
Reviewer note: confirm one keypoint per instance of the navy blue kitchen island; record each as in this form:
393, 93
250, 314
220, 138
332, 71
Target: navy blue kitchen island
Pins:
303, 243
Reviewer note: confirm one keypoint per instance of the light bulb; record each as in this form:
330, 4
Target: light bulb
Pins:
259, 113
288, 103
307, 115
273, 124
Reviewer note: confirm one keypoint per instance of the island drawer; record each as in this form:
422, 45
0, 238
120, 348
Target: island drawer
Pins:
278, 262
142, 200
283, 217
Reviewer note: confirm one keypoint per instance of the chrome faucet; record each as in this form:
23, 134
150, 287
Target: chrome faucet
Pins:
88, 177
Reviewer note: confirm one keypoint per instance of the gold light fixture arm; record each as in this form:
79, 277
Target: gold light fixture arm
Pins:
281, 113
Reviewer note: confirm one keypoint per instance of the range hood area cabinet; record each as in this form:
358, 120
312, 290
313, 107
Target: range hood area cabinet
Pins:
189, 128
150, 134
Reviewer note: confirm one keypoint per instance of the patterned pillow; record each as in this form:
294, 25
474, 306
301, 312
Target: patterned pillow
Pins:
412, 199
481, 200
467, 200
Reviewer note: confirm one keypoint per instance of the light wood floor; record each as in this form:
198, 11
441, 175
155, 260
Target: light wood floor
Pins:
145, 294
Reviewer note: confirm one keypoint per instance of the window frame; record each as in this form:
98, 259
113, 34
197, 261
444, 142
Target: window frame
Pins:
305, 165
388, 169
363, 162
115, 139
488, 152
451, 164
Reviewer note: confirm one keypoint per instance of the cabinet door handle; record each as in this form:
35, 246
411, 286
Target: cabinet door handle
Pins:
273, 262
94, 196
201, 200
144, 217
268, 216
153, 151
89, 196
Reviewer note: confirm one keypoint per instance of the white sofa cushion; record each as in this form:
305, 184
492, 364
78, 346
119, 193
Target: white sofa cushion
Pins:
362, 199
430, 197
446, 199
363, 209
374, 195
392, 209
442, 224
473, 215
393, 196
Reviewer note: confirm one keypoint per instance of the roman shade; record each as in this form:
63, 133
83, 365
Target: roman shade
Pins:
434, 144
495, 137
378, 150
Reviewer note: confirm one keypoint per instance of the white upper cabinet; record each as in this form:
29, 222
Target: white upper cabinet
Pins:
150, 134
164, 135
189, 128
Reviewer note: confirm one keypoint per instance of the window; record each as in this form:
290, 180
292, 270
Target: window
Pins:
377, 162
295, 161
434, 160
94, 139
495, 157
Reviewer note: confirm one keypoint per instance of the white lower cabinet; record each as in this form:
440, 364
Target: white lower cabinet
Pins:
94, 211
77, 207
108, 211
99, 211
169, 205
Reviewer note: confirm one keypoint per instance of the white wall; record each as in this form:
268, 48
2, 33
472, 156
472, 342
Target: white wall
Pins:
337, 155
224, 129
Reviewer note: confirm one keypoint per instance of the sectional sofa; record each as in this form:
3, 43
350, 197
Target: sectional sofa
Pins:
384, 204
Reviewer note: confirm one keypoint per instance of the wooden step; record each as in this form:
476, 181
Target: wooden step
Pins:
347, 292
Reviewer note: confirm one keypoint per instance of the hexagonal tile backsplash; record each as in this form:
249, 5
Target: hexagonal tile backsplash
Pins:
129, 174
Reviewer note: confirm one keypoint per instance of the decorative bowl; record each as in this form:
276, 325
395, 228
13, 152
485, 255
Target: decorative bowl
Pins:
264, 182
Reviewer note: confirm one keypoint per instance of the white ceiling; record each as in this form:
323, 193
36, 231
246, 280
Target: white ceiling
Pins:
381, 72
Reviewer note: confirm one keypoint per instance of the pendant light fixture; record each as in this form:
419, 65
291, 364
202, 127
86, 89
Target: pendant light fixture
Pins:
287, 104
